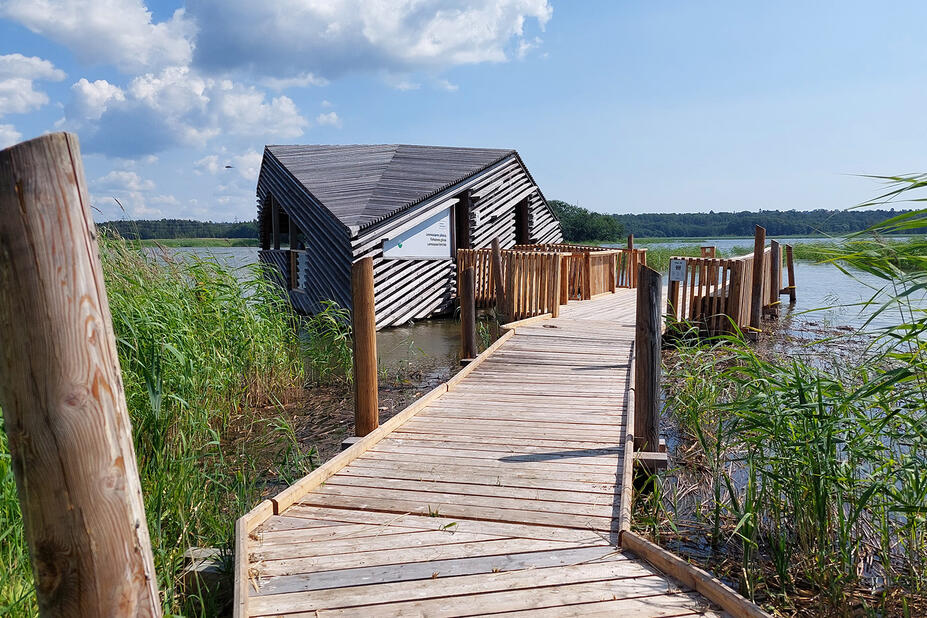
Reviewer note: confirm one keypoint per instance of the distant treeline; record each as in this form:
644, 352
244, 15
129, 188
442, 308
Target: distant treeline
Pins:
777, 223
182, 228
582, 225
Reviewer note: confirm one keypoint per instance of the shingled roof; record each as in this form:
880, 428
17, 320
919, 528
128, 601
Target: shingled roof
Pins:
364, 184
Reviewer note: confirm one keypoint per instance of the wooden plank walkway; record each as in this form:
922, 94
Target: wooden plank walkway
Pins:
502, 496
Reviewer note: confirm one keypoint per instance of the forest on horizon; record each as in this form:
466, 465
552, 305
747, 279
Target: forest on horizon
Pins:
582, 225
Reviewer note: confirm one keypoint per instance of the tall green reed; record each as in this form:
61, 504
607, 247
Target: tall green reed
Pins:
823, 465
207, 356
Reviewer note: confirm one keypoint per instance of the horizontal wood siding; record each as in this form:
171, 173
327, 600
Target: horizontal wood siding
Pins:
404, 289
328, 275
416, 289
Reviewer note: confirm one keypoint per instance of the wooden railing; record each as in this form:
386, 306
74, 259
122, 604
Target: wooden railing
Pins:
584, 272
532, 280
717, 294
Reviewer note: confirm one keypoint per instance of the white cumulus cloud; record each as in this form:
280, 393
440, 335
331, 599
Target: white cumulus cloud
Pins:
18, 75
115, 32
330, 119
289, 37
122, 180
175, 107
9, 135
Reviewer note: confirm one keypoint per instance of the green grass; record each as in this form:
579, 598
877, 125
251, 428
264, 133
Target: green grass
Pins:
812, 468
199, 242
207, 358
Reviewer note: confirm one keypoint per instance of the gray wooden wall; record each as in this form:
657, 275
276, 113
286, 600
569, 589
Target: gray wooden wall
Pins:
404, 289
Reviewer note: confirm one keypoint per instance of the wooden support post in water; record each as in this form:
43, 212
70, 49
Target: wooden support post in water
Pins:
363, 319
468, 347
498, 280
791, 272
756, 293
64, 408
775, 277
647, 344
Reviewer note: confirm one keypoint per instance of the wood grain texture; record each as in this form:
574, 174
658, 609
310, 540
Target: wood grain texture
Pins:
507, 493
366, 406
62, 396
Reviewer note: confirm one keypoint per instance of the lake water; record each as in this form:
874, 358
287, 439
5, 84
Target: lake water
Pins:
825, 296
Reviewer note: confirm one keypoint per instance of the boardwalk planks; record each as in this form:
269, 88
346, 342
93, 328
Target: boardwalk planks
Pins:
503, 494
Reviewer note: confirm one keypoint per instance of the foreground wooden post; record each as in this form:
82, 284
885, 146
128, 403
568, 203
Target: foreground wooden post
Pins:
647, 344
468, 347
756, 292
366, 410
555, 285
499, 281
791, 272
64, 408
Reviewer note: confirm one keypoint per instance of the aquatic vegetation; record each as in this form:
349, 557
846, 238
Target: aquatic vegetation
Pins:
207, 359
812, 473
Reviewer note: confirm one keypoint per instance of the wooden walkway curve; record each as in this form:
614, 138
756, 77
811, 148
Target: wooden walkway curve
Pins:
503, 492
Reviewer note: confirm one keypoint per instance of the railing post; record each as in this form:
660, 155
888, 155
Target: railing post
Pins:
64, 407
647, 344
366, 410
556, 287
587, 275
756, 295
468, 349
791, 271
775, 277
498, 280
565, 278
632, 262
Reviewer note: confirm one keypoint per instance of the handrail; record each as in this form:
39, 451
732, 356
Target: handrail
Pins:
716, 293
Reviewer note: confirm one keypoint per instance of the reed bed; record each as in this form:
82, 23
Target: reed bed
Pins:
807, 476
208, 359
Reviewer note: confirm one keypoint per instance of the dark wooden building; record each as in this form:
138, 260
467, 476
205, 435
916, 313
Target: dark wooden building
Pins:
409, 207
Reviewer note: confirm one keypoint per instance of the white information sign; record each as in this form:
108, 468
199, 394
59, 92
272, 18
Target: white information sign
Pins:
429, 240
677, 270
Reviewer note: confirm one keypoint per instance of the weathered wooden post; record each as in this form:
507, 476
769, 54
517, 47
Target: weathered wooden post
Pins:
468, 347
555, 285
756, 292
647, 344
775, 277
64, 408
363, 319
791, 272
587, 275
565, 278
632, 263
498, 280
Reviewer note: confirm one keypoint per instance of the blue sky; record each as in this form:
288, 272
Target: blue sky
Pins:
653, 106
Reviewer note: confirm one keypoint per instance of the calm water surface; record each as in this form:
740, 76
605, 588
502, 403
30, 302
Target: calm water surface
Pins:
825, 296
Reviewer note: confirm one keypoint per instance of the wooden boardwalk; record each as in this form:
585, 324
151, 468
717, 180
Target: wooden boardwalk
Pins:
505, 493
